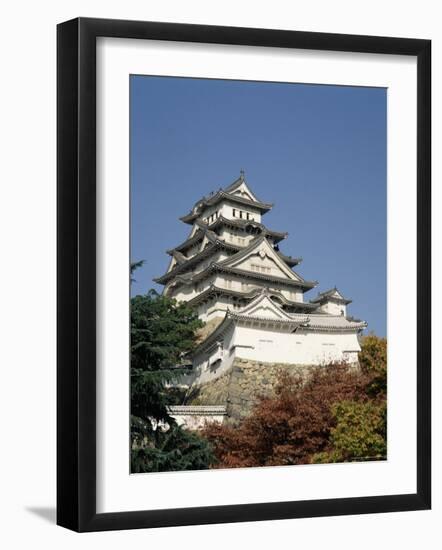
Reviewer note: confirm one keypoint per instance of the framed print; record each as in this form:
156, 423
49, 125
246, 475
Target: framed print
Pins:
243, 274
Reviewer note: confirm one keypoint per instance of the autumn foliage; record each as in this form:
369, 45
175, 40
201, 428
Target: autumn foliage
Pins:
339, 414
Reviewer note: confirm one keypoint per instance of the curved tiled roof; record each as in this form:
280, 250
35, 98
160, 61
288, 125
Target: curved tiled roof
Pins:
241, 223
310, 321
307, 285
185, 265
226, 193
289, 260
216, 198
330, 295
214, 290
242, 251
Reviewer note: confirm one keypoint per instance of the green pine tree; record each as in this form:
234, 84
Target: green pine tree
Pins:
162, 333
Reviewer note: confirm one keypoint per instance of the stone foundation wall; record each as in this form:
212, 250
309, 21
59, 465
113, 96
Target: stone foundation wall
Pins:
249, 380
212, 393
240, 387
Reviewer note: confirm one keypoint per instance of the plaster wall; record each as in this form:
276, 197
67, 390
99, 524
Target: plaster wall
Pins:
301, 348
334, 308
272, 346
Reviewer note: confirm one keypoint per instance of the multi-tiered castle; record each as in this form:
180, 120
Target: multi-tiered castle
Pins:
231, 270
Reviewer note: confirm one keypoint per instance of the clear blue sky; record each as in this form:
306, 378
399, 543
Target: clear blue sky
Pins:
317, 152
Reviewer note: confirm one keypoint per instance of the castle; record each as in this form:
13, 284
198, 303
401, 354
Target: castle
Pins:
231, 270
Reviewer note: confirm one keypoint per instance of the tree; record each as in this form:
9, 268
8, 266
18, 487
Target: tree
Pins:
373, 361
162, 332
360, 432
175, 449
133, 267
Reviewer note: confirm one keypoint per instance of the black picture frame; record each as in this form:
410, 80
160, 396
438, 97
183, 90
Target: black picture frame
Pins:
76, 274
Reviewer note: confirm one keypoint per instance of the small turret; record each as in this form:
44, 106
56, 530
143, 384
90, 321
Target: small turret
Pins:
332, 302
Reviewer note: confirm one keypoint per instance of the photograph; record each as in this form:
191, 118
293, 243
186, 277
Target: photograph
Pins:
258, 284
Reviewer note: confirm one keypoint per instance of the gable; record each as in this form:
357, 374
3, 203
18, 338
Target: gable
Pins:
260, 257
265, 308
245, 192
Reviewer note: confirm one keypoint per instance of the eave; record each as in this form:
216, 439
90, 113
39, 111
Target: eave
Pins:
305, 285
199, 235
289, 260
219, 291
206, 229
328, 296
208, 251
219, 196
221, 220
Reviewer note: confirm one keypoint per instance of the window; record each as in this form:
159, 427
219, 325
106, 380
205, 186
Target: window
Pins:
261, 268
248, 216
240, 213
234, 212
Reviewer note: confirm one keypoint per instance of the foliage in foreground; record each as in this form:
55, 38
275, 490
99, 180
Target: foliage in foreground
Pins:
162, 332
359, 433
172, 450
338, 415
373, 361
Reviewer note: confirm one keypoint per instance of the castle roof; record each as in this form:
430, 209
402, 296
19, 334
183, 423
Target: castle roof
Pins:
203, 229
183, 263
289, 260
261, 246
215, 244
230, 193
244, 224
330, 295
214, 290
264, 311
219, 267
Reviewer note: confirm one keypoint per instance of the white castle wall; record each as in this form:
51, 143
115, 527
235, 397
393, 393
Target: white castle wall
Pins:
301, 348
334, 308
226, 210
206, 368
215, 308
271, 346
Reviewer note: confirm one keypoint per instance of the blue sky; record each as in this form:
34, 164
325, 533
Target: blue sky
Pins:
317, 152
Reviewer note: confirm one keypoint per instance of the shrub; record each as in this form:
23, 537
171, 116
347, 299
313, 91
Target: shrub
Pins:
360, 432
